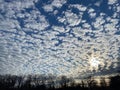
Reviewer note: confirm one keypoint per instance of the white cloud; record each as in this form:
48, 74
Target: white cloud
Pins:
32, 49
54, 3
112, 1
72, 18
58, 3
79, 7
86, 25
48, 8
92, 13
62, 20
59, 29
98, 3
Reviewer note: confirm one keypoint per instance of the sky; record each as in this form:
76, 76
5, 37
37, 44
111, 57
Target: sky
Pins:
60, 37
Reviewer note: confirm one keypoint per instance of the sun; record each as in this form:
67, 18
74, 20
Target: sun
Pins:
94, 62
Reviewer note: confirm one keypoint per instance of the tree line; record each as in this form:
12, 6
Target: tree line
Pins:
50, 82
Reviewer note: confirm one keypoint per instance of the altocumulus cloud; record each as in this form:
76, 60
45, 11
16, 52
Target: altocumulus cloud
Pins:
59, 37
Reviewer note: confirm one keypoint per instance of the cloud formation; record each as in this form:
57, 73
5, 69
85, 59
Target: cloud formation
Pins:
32, 41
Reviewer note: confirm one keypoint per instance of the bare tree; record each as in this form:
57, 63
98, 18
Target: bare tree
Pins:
91, 82
103, 82
82, 84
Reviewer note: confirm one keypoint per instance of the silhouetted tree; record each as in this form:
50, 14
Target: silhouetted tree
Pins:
72, 82
115, 82
82, 84
11, 82
63, 81
91, 83
103, 82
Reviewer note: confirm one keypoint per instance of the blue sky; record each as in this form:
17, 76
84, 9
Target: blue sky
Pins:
60, 37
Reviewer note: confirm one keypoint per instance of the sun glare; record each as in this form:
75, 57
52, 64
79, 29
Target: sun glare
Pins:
94, 62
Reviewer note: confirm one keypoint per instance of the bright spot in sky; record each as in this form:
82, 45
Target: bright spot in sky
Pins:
94, 62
